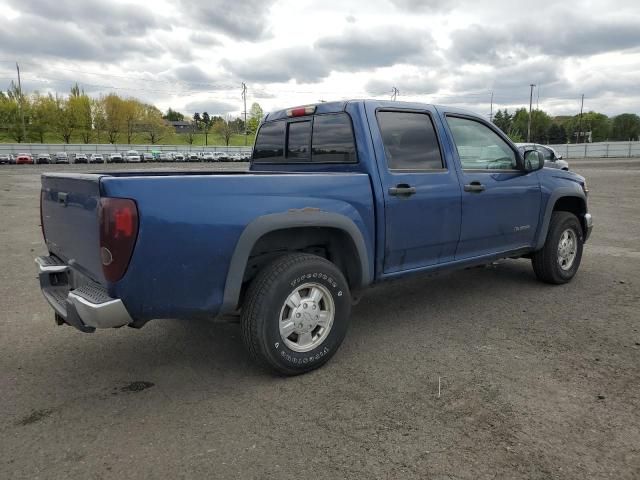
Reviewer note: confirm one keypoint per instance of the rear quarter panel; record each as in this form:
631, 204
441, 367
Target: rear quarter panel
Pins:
189, 227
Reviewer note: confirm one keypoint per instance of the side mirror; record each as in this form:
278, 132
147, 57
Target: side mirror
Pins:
559, 157
533, 160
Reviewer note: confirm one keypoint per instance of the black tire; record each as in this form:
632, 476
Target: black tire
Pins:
545, 262
264, 302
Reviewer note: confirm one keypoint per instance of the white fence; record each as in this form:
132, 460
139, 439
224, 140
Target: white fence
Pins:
105, 149
571, 150
598, 149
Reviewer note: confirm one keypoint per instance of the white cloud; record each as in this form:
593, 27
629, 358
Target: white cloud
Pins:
188, 55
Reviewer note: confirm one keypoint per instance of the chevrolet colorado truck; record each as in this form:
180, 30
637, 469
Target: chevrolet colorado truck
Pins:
338, 196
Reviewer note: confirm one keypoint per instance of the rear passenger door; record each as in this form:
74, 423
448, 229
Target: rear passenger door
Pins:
421, 192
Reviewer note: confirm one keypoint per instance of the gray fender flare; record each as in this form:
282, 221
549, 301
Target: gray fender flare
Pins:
555, 196
278, 221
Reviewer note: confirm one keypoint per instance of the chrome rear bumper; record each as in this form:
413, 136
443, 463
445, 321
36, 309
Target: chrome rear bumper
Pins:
77, 301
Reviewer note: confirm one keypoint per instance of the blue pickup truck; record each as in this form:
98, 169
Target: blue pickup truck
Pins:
338, 196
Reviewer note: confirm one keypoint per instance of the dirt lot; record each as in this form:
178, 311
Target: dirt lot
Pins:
536, 381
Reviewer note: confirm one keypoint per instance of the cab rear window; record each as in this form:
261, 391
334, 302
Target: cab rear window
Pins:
324, 138
269, 146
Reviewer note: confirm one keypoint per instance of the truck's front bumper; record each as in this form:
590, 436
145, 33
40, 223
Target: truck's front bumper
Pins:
78, 301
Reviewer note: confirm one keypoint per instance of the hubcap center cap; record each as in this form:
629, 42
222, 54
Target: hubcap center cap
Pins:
305, 317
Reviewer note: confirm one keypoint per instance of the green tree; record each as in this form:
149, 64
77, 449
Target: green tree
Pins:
131, 114
626, 126
540, 124
113, 116
173, 116
519, 125
155, 128
557, 134
503, 120
597, 123
79, 105
99, 118
13, 105
226, 129
65, 123
206, 127
42, 117
255, 116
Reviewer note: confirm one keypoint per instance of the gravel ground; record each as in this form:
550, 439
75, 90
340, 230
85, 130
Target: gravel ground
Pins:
536, 381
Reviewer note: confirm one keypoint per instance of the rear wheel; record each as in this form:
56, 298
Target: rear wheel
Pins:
559, 259
296, 313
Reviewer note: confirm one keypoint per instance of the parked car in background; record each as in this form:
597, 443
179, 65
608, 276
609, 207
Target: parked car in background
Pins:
24, 159
178, 157
132, 156
220, 156
193, 157
81, 158
61, 157
43, 158
96, 158
551, 157
165, 157
5, 159
207, 157
115, 158
147, 157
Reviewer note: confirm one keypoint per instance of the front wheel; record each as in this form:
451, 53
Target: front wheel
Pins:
559, 259
296, 313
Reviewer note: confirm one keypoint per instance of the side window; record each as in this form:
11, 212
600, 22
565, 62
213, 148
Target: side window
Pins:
333, 139
410, 141
546, 153
298, 141
479, 147
270, 143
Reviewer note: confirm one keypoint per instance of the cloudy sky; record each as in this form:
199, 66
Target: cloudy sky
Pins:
193, 55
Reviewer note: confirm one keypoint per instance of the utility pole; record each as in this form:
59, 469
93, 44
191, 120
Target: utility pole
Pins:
538, 97
244, 99
530, 106
491, 110
580, 119
394, 93
24, 131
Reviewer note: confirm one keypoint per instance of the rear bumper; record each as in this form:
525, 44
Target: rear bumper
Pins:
77, 301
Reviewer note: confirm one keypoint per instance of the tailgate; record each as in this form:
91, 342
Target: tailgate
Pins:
70, 220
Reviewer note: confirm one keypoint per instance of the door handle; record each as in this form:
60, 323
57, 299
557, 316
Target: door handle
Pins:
402, 190
474, 187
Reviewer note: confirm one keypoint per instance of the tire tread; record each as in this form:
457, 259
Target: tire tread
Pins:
257, 294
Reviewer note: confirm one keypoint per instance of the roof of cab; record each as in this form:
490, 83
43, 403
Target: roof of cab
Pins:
340, 106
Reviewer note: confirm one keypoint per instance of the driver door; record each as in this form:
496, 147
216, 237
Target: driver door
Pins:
500, 202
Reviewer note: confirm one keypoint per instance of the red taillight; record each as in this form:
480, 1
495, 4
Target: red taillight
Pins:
301, 111
118, 233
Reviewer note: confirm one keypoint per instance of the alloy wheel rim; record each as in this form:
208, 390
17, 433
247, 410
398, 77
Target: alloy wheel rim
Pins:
567, 249
306, 317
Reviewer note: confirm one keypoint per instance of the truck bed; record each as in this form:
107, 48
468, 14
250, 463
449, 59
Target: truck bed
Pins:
189, 225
